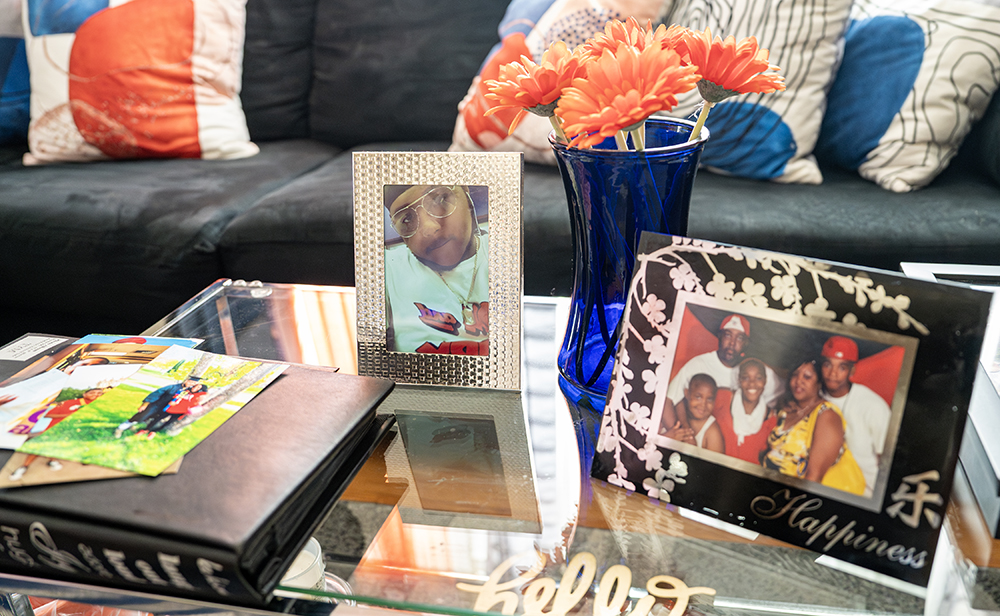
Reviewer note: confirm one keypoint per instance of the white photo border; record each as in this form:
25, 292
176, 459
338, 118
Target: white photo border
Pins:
501, 173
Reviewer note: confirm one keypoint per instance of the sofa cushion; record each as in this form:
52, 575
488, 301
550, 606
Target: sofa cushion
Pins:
954, 219
129, 236
140, 79
982, 146
395, 71
304, 232
300, 233
913, 80
277, 68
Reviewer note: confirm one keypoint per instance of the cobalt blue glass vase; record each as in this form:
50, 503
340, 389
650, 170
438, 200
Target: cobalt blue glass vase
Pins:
613, 197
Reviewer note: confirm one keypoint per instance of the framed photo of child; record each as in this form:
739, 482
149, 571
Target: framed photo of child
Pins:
438, 267
813, 402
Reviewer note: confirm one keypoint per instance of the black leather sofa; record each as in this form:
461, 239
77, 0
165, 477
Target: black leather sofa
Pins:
114, 246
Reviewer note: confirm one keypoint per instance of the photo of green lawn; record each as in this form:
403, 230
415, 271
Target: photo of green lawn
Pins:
89, 435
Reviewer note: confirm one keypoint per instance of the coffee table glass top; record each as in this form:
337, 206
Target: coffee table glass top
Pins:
481, 500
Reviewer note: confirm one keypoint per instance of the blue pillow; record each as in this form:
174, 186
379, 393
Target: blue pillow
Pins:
15, 91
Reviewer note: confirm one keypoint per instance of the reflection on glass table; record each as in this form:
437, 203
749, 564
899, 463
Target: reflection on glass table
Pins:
481, 500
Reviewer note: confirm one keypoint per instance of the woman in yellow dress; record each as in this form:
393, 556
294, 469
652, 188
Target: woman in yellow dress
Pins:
808, 440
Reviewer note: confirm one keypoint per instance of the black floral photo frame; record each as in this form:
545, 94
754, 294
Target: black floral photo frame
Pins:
917, 344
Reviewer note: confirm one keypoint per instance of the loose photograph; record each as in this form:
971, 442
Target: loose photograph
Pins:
151, 419
39, 384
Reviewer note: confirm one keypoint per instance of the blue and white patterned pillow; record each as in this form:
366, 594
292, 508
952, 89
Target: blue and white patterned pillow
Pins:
914, 77
770, 136
15, 89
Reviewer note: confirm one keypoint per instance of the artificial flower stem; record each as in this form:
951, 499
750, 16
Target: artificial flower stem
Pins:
557, 126
638, 139
620, 140
696, 131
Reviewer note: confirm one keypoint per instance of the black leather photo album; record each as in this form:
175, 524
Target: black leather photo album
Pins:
228, 524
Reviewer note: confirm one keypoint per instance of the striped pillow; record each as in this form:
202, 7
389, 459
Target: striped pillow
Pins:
914, 78
771, 136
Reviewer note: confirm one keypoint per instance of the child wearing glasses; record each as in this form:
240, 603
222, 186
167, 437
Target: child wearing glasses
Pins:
437, 279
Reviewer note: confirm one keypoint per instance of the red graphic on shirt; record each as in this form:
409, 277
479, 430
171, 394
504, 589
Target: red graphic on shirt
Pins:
480, 325
441, 321
457, 347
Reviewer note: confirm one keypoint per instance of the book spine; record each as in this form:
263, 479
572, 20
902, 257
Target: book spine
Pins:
53, 548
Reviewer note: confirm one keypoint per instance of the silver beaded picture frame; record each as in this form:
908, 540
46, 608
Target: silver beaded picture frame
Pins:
393, 271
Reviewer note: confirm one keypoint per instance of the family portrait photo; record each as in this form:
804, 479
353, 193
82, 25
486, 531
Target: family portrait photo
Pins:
781, 398
790, 397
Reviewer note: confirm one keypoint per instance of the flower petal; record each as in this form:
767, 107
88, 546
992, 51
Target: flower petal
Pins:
735, 67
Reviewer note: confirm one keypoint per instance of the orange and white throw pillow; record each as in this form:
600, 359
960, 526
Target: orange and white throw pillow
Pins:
135, 79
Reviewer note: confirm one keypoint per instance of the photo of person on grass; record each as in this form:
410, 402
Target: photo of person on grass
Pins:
200, 392
84, 386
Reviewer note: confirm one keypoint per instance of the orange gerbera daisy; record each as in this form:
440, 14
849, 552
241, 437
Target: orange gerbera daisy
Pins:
728, 67
630, 32
534, 87
623, 87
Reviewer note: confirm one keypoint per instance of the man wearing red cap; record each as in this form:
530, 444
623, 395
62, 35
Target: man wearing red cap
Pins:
865, 412
723, 363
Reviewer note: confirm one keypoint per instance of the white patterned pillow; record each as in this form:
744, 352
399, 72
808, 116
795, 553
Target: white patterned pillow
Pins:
771, 136
915, 76
528, 28
766, 137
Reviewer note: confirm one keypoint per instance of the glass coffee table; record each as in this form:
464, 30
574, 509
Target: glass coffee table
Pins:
481, 500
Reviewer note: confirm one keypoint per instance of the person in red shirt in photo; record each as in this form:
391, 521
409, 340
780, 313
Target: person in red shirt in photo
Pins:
45, 419
186, 402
